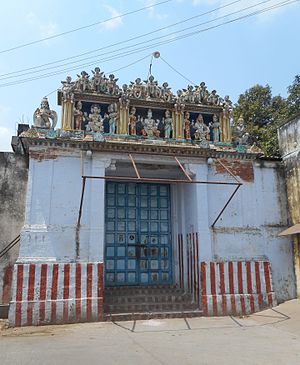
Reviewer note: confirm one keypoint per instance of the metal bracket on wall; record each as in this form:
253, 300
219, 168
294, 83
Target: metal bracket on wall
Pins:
238, 185
138, 178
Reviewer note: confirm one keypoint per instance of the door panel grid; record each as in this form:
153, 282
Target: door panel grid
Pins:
138, 234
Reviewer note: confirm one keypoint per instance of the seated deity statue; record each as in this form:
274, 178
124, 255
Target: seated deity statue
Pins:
201, 129
43, 115
240, 133
150, 126
168, 122
95, 119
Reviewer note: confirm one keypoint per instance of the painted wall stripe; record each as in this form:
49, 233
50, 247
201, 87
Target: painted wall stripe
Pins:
43, 286
78, 291
203, 288
30, 295
19, 293
56, 293
89, 294
236, 287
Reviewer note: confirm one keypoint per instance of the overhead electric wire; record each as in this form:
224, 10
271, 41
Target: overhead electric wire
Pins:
122, 42
83, 27
136, 44
116, 70
150, 46
278, 5
179, 73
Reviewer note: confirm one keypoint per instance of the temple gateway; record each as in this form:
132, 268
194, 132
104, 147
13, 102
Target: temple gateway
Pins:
146, 204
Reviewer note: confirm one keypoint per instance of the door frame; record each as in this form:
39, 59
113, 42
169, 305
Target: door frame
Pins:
170, 246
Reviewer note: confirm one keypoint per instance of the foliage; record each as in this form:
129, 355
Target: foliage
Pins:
293, 98
263, 113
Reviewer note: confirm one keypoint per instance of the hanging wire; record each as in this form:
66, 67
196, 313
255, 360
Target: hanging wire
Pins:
83, 27
150, 67
116, 70
118, 43
179, 73
160, 43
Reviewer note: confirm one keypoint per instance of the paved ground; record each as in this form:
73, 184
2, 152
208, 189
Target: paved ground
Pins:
269, 337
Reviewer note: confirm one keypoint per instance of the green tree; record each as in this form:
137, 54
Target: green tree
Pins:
293, 99
262, 114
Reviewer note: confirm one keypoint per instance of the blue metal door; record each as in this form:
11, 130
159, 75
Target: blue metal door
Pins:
137, 234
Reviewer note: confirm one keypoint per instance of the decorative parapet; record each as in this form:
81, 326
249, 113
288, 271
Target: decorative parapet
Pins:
95, 107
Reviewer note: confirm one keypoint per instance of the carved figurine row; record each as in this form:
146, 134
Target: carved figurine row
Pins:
138, 89
146, 126
93, 121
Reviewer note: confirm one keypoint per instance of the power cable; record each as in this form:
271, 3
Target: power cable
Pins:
160, 43
83, 27
145, 48
179, 73
116, 70
124, 41
143, 42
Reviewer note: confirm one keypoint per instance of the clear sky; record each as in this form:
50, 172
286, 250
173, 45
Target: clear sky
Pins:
262, 49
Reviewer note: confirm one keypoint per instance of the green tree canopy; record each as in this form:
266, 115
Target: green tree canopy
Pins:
263, 113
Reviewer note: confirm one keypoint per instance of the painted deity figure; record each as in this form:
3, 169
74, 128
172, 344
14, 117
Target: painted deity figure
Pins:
112, 87
137, 88
112, 117
203, 93
95, 119
150, 126
168, 124
242, 137
43, 115
227, 106
202, 130
97, 80
152, 89
213, 98
165, 92
67, 89
187, 126
82, 83
189, 95
215, 125
132, 121
78, 115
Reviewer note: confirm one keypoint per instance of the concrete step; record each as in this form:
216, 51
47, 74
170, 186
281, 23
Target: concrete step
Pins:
4, 311
172, 290
154, 298
116, 317
146, 307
